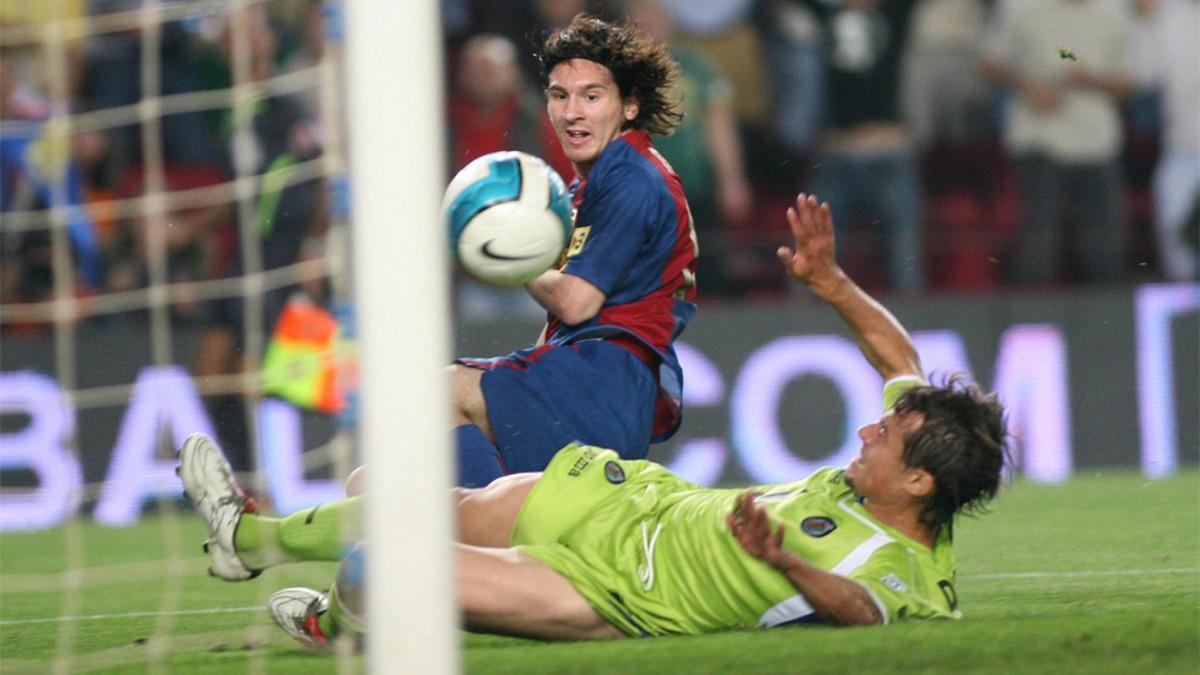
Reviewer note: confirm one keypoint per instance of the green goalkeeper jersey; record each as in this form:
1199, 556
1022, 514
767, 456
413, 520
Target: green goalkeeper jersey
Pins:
653, 553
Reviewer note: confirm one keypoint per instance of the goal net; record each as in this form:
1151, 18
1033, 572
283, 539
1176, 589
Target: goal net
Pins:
175, 256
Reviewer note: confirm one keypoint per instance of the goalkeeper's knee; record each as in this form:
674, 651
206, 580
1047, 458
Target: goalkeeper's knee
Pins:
356, 482
347, 597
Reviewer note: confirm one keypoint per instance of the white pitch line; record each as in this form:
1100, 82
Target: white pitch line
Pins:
132, 615
1108, 573
228, 610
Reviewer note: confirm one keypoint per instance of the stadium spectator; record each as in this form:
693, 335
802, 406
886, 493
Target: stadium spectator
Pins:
113, 79
593, 547
706, 147
725, 32
28, 23
604, 369
274, 139
301, 25
492, 108
22, 95
528, 23
25, 271
43, 165
945, 98
867, 165
796, 64
1168, 33
187, 147
1066, 64
948, 106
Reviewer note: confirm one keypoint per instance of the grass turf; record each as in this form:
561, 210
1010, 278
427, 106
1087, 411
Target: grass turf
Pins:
1098, 575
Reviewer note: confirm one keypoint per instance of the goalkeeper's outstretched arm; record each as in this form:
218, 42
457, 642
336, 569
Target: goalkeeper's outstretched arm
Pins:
883, 340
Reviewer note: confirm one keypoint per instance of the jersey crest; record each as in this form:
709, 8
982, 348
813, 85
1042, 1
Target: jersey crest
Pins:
817, 526
614, 473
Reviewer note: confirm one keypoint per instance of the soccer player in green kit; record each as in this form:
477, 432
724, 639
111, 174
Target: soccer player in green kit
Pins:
597, 547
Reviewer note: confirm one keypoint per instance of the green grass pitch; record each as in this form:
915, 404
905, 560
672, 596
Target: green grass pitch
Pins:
1098, 575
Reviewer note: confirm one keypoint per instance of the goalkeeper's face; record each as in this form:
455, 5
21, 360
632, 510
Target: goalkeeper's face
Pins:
879, 472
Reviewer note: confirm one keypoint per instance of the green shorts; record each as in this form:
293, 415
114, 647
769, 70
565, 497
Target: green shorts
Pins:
586, 519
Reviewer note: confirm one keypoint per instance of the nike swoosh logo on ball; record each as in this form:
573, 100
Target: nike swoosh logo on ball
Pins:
487, 251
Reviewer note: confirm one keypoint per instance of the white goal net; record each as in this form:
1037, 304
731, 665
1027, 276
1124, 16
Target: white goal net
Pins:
175, 256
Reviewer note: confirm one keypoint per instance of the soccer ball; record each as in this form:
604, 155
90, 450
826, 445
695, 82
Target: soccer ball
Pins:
509, 217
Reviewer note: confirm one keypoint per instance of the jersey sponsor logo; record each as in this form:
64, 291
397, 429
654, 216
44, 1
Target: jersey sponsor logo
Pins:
489, 252
614, 473
586, 455
574, 247
893, 582
579, 237
817, 526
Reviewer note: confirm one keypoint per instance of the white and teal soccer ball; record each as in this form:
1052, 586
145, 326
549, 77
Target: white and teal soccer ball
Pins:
508, 215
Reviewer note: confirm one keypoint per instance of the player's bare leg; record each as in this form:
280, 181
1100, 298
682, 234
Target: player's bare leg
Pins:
504, 591
500, 590
468, 413
466, 393
487, 515
479, 459
356, 482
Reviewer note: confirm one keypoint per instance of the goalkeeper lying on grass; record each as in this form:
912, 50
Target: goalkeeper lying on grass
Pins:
599, 547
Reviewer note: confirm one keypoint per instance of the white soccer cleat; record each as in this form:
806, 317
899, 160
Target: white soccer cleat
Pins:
209, 483
297, 611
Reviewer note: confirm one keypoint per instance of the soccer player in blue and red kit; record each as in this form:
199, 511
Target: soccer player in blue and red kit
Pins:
604, 370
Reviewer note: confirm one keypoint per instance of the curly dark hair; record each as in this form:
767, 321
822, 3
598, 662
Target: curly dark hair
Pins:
962, 443
640, 66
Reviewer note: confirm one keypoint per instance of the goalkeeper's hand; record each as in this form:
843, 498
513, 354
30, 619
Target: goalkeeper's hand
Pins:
751, 527
812, 260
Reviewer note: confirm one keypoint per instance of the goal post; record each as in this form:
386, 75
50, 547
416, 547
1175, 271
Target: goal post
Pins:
394, 115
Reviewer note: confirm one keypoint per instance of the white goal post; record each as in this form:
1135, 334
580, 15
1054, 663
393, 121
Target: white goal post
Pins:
395, 126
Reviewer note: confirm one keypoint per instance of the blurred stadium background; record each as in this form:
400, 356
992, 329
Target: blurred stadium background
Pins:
175, 242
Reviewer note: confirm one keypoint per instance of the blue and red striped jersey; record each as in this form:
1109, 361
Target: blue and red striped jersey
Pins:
634, 240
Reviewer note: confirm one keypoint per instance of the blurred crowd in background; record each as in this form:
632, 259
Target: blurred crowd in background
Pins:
963, 144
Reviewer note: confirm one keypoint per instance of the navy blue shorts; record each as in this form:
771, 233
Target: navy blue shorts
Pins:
542, 398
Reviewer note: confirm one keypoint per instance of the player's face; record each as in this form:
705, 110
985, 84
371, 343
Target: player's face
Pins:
586, 109
879, 472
